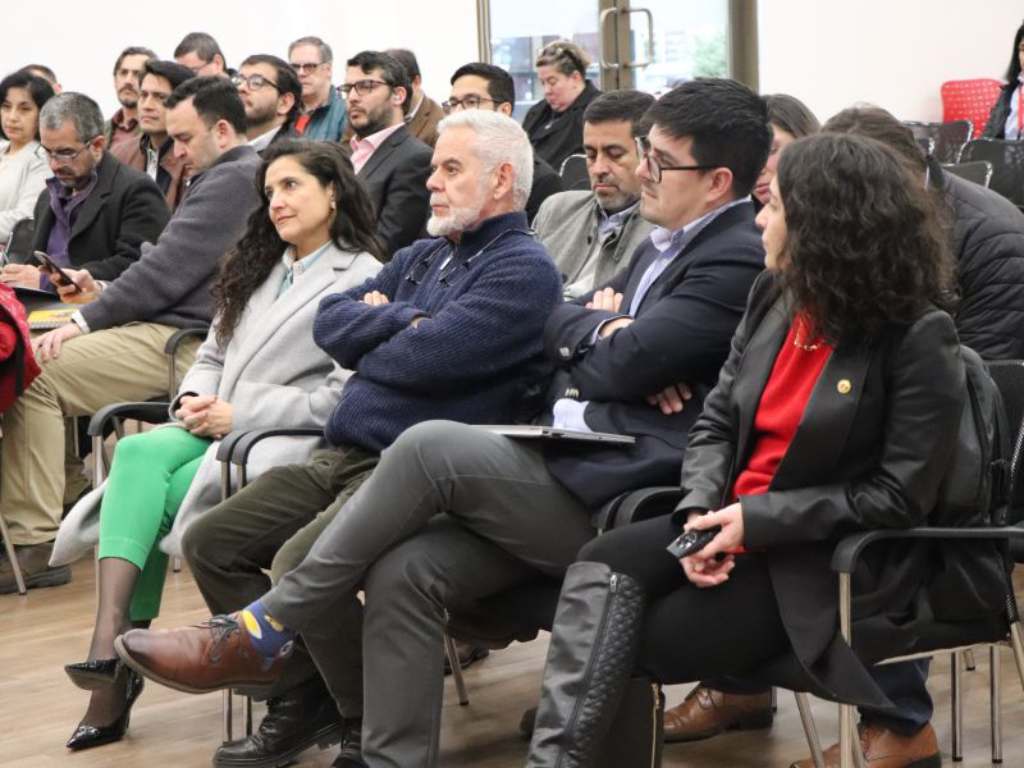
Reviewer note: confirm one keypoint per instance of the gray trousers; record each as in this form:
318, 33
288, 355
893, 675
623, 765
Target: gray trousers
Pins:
452, 513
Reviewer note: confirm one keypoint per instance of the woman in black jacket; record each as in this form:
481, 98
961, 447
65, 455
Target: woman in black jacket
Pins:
1010, 103
835, 412
555, 125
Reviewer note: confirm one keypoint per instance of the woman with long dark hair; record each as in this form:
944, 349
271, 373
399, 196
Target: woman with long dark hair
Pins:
1006, 119
835, 412
23, 169
259, 367
790, 119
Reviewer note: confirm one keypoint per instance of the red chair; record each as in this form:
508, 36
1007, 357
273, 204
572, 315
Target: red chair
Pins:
969, 100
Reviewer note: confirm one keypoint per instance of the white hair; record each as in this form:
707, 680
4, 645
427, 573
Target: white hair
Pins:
499, 139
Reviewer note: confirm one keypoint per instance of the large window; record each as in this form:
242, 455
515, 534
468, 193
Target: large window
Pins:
646, 44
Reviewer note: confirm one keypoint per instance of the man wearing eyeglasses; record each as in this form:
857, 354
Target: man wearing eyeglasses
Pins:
271, 94
113, 350
391, 162
323, 110
154, 151
485, 86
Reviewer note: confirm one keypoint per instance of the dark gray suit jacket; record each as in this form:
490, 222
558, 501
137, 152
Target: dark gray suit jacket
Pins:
395, 177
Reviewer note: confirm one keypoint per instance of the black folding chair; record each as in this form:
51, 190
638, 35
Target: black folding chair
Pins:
947, 138
1007, 159
978, 171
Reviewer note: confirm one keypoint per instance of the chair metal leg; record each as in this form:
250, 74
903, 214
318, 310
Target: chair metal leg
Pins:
956, 692
99, 465
229, 720
847, 730
859, 760
1018, 649
774, 698
803, 705
248, 715
995, 702
176, 564
969, 663
19, 578
453, 661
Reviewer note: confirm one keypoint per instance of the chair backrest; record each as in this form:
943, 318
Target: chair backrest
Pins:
927, 144
1009, 377
1007, 158
574, 172
948, 138
969, 100
978, 171
19, 245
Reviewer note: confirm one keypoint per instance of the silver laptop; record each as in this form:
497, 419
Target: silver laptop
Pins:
538, 432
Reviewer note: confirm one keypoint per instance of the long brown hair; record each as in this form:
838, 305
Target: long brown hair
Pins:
251, 261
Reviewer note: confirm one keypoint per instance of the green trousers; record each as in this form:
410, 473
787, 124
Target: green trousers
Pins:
150, 476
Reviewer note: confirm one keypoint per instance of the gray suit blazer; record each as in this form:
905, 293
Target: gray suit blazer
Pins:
567, 226
395, 177
272, 373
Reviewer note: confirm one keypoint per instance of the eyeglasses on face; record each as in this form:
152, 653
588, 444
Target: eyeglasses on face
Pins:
655, 169
361, 87
62, 156
253, 82
472, 101
306, 67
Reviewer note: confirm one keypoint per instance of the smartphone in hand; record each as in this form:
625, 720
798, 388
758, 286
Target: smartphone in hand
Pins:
51, 267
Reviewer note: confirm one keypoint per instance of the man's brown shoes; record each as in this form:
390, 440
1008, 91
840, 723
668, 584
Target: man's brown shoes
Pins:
215, 654
706, 712
887, 749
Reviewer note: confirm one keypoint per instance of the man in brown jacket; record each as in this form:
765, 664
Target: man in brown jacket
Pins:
424, 113
154, 150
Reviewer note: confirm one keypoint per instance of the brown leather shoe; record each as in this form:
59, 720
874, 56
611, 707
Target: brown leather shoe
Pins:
887, 749
34, 560
706, 712
207, 657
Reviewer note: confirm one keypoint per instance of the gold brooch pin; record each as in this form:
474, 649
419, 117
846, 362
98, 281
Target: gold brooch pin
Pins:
844, 386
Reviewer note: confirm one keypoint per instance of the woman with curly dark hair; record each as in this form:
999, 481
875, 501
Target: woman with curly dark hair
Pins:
835, 412
259, 367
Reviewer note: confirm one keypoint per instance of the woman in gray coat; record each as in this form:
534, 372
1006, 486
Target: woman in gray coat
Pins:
312, 236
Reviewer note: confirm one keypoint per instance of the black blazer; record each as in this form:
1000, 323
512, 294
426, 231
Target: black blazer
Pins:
555, 135
681, 333
545, 183
124, 210
870, 452
995, 128
395, 177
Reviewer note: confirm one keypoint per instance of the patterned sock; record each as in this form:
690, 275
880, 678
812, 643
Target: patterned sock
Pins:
269, 637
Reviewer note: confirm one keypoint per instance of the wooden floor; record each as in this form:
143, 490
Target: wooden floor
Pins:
39, 707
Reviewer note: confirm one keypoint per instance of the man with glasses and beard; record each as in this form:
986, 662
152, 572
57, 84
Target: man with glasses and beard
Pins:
123, 126
391, 162
272, 95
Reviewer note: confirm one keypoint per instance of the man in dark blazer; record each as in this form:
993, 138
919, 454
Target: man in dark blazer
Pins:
95, 212
392, 164
454, 513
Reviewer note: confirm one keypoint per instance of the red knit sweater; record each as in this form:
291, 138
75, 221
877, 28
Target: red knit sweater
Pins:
782, 405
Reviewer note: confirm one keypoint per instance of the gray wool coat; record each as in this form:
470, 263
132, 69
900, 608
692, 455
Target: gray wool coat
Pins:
271, 372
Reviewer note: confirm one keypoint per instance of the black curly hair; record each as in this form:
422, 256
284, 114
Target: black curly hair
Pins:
251, 261
865, 246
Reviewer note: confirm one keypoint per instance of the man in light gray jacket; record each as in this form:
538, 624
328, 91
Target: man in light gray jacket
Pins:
592, 234
114, 349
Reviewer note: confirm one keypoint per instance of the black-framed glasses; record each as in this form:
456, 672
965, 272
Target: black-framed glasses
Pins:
306, 67
253, 82
655, 169
63, 156
472, 101
361, 87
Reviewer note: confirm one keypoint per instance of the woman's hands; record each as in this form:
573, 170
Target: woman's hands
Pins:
205, 415
703, 568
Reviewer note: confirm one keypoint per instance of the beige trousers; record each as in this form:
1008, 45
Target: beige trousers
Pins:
111, 366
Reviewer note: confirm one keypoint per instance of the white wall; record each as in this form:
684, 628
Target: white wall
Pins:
81, 44
893, 53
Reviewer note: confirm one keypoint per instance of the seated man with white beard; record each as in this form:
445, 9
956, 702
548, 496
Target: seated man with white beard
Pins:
451, 328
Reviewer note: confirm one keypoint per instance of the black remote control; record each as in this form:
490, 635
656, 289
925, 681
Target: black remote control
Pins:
692, 541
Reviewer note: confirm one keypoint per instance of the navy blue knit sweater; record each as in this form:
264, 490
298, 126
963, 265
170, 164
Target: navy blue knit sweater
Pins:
476, 357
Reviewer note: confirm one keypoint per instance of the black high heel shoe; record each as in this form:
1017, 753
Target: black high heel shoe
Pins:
93, 675
86, 736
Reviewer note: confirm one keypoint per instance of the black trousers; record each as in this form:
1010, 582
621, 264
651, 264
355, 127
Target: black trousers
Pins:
692, 633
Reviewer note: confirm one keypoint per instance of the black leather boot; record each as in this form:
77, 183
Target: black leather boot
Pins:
590, 660
303, 717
